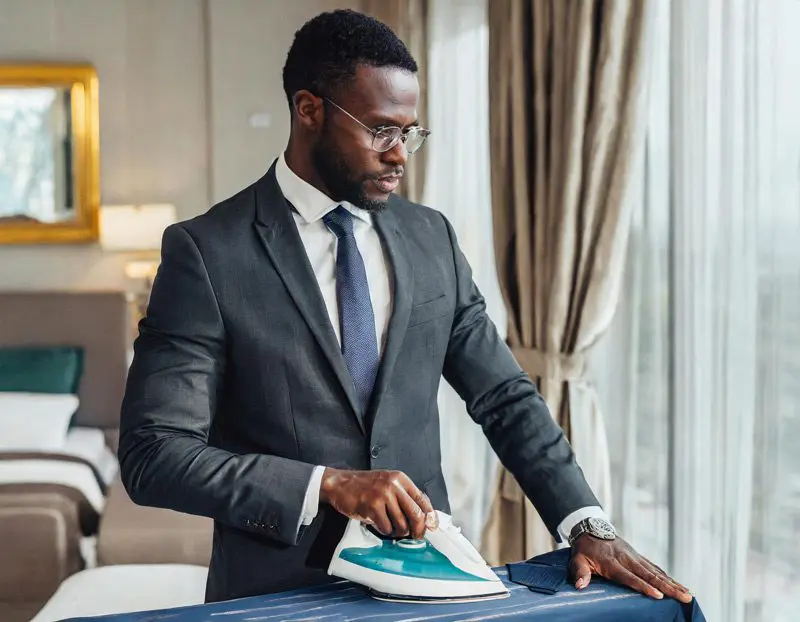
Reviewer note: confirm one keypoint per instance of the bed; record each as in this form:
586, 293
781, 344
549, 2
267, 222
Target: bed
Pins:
54, 482
63, 510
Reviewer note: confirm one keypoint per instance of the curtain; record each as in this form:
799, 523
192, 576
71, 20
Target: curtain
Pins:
704, 358
409, 20
736, 275
770, 576
715, 306
566, 133
458, 184
631, 364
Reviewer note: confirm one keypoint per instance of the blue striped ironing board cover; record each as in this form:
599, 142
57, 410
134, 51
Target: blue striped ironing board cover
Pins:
600, 602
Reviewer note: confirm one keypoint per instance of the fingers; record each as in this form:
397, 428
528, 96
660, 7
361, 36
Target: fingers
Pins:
660, 580
581, 571
621, 574
388, 500
421, 499
618, 562
431, 517
647, 563
417, 506
432, 521
397, 515
380, 519
414, 514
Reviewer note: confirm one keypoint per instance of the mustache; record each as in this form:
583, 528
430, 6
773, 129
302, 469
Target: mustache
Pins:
397, 172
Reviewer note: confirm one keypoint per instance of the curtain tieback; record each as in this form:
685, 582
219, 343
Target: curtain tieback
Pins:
553, 366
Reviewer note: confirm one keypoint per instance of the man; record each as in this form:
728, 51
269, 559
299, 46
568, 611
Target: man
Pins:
286, 374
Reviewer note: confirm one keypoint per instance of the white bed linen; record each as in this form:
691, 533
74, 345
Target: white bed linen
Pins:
86, 443
125, 588
90, 444
41, 471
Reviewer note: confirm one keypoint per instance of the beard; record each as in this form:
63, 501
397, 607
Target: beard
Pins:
340, 179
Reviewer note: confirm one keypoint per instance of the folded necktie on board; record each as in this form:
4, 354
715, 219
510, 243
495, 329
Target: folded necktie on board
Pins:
546, 574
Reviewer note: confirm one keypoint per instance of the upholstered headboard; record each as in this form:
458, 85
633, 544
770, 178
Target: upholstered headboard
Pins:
96, 321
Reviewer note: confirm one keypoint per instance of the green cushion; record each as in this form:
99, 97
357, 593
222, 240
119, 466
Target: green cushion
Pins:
40, 369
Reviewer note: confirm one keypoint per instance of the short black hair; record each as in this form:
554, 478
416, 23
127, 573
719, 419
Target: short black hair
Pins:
328, 48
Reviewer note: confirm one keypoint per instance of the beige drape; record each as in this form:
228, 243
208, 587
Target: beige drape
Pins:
566, 130
409, 20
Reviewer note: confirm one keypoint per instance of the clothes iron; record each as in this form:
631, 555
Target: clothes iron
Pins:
442, 567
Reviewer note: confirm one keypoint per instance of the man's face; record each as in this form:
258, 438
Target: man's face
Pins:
343, 157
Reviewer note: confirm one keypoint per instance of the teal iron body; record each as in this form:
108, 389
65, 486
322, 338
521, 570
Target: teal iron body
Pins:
442, 567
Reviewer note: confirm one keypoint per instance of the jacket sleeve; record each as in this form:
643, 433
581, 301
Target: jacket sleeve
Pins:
504, 401
170, 402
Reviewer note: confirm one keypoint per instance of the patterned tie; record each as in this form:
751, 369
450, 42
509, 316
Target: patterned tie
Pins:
359, 341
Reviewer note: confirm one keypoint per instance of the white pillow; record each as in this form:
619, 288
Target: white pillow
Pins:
35, 421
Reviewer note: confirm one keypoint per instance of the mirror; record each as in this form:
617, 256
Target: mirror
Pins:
49, 185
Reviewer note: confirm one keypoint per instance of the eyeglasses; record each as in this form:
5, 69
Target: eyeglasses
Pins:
387, 137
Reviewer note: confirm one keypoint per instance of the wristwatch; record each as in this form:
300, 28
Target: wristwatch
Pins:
596, 527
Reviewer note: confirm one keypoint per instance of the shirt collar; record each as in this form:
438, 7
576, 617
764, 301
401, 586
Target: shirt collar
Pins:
309, 202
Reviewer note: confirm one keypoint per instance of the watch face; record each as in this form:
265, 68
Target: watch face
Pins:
601, 529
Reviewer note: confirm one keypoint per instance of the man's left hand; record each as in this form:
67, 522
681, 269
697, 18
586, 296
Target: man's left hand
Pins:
617, 561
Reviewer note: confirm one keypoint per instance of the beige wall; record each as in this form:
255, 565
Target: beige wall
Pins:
180, 81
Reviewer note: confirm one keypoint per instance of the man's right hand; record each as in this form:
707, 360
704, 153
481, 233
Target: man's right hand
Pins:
387, 500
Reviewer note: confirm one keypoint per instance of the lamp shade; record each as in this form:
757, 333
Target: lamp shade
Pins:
135, 227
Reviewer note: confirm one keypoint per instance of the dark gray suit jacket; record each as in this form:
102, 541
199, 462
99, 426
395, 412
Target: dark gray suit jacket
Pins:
238, 387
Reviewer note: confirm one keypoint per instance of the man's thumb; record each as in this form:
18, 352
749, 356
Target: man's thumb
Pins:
581, 570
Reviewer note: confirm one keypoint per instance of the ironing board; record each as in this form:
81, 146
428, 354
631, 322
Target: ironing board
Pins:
600, 602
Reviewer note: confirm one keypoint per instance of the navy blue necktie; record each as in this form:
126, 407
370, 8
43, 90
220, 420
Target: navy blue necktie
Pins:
356, 318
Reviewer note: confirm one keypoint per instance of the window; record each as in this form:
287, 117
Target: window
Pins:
700, 373
773, 563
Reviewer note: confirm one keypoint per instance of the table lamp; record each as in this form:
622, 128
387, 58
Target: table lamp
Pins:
137, 230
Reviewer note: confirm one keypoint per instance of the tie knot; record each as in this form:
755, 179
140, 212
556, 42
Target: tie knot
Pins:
340, 221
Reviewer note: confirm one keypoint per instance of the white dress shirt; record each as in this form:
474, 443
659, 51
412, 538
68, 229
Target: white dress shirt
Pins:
311, 206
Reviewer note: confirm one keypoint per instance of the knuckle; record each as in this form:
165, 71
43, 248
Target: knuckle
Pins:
655, 580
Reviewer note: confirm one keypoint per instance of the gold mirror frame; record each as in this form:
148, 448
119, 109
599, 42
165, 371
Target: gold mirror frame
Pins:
81, 80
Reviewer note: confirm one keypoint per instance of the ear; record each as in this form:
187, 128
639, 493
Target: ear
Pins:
309, 110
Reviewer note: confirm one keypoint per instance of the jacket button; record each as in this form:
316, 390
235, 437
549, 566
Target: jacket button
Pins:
375, 451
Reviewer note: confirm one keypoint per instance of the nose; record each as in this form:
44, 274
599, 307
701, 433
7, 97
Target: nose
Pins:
397, 155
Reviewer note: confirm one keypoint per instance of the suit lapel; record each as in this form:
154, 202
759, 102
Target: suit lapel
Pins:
278, 233
388, 226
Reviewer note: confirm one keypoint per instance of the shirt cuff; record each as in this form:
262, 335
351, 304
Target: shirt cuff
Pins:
311, 502
567, 525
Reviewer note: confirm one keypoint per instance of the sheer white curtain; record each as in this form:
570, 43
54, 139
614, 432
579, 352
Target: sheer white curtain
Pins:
719, 108
457, 184
703, 361
773, 566
631, 364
